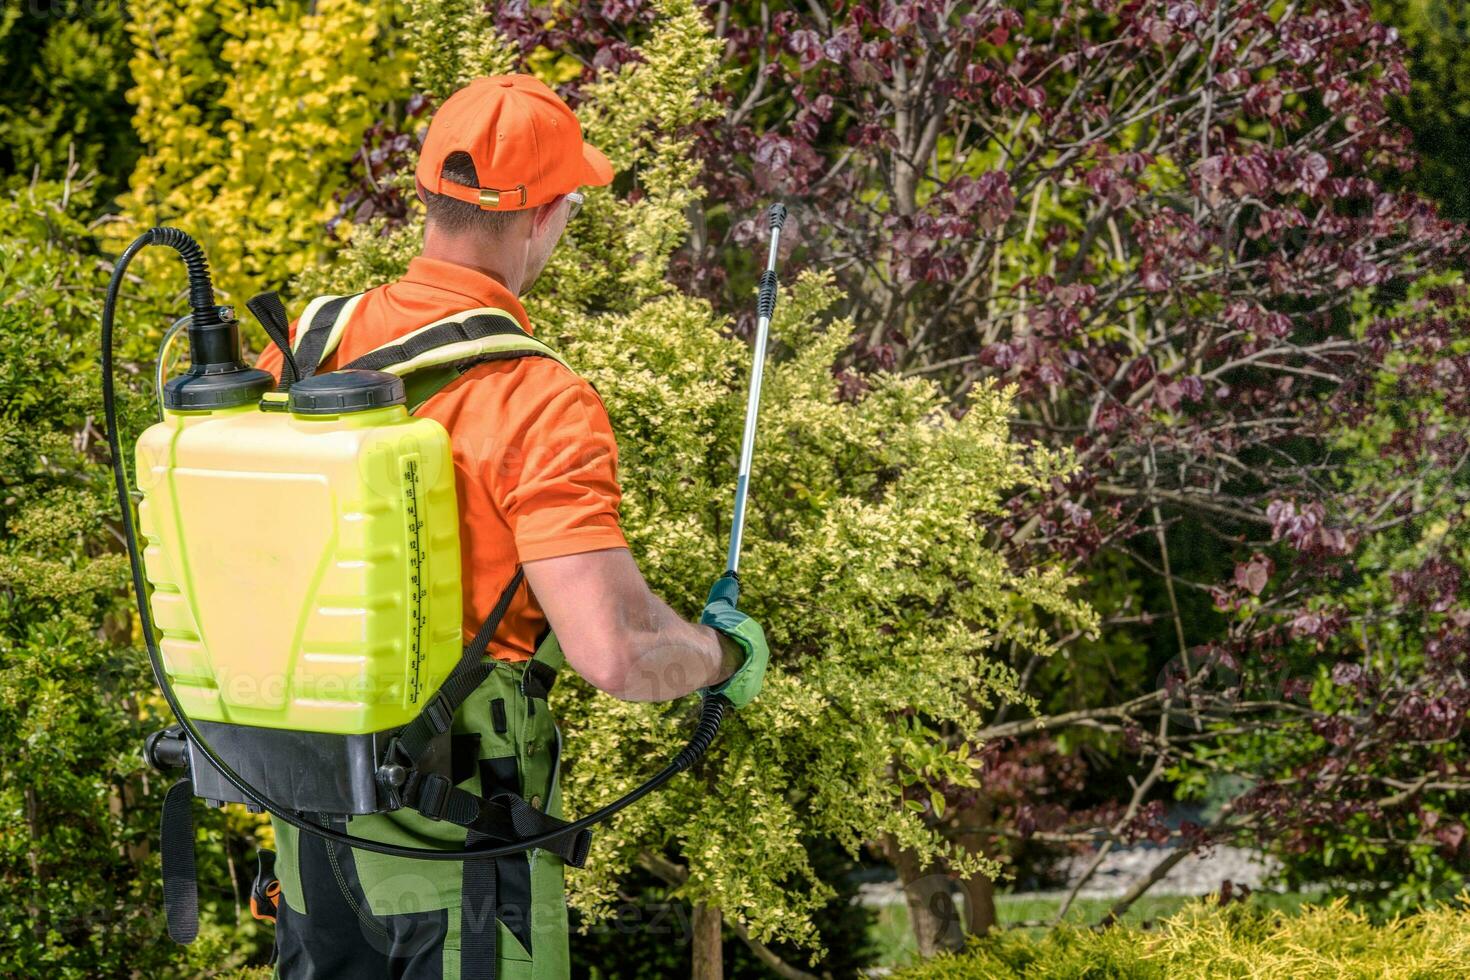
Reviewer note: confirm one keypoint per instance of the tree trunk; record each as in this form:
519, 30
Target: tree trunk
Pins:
979, 904
36, 913
932, 912
979, 890
709, 962
698, 230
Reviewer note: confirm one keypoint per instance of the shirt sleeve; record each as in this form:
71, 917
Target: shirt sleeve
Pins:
556, 476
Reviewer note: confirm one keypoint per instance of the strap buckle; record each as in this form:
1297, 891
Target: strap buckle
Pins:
489, 197
438, 713
433, 796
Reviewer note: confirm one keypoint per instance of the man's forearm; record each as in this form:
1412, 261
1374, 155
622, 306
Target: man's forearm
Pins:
672, 657
620, 636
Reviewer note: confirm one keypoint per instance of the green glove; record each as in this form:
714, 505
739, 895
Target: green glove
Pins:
720, 613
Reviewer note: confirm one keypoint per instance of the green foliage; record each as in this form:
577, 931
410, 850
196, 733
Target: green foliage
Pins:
80, 893
452, 46
71, 899
63, 68
1437, 107
1205, 940
649, 937
866, 557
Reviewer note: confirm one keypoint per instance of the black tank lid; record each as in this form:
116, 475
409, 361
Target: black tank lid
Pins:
342, 392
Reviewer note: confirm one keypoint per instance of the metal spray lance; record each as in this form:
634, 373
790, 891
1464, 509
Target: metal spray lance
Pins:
765, 306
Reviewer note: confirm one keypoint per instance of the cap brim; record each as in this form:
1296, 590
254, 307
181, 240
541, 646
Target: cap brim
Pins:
598, 171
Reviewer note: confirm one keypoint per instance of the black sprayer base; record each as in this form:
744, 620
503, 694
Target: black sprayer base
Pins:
313, 772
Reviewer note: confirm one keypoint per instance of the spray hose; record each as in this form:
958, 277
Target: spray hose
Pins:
220, 378
201, 287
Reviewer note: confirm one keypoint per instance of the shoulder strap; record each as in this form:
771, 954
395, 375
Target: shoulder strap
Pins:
435, 354
480, 333
271, 312
504, 816
427, 358
319, 330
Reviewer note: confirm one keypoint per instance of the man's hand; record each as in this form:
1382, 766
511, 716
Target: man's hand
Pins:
720, 614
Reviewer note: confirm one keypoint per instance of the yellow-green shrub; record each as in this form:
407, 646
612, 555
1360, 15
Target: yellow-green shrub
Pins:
1204, 940
866, 554
250, 116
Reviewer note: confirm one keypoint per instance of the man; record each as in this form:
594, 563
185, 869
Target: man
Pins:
535, 462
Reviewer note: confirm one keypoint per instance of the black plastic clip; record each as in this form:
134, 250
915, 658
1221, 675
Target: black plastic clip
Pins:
438, 714
433, 798
537, 680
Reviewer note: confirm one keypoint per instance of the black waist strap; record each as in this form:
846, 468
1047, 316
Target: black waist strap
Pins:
500, 819
180, 879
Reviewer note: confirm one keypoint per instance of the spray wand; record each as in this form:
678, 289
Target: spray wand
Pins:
765, 308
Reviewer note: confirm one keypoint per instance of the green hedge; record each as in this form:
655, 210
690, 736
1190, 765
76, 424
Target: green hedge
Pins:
1205, 940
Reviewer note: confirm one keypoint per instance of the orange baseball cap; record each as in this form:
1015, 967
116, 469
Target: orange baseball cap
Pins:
525, 142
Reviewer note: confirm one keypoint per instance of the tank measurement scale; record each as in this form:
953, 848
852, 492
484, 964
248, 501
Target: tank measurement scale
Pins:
418, 562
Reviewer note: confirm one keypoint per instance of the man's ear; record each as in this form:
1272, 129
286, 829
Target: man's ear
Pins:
418, 188
543, 213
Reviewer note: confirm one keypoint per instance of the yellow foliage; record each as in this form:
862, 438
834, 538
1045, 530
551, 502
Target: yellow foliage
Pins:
250, 117
553, 67
454, 42
1206, 941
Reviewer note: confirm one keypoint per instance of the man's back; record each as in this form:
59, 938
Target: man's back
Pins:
534, 453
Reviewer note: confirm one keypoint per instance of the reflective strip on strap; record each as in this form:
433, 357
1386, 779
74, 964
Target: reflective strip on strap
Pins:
481, 332
335, 337
303, 324
467, 349
334, 328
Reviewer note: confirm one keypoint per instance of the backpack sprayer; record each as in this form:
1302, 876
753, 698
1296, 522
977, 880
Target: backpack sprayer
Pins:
303, 621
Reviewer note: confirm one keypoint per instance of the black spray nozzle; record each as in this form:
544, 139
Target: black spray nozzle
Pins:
217, 377
777, 216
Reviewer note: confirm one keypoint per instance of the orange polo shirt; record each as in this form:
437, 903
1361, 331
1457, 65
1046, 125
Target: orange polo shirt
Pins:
534, 455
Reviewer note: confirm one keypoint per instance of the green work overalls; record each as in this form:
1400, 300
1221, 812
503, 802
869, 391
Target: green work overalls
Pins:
352, 913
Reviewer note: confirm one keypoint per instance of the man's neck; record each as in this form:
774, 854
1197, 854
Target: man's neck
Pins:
466, 251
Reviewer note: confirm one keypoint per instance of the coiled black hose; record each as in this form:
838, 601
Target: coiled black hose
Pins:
201, 286
712, 711
711, 715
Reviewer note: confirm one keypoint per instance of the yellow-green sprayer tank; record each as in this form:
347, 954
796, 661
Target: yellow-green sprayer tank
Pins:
304, 564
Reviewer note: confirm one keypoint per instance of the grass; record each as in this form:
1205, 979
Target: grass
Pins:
1032, 914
